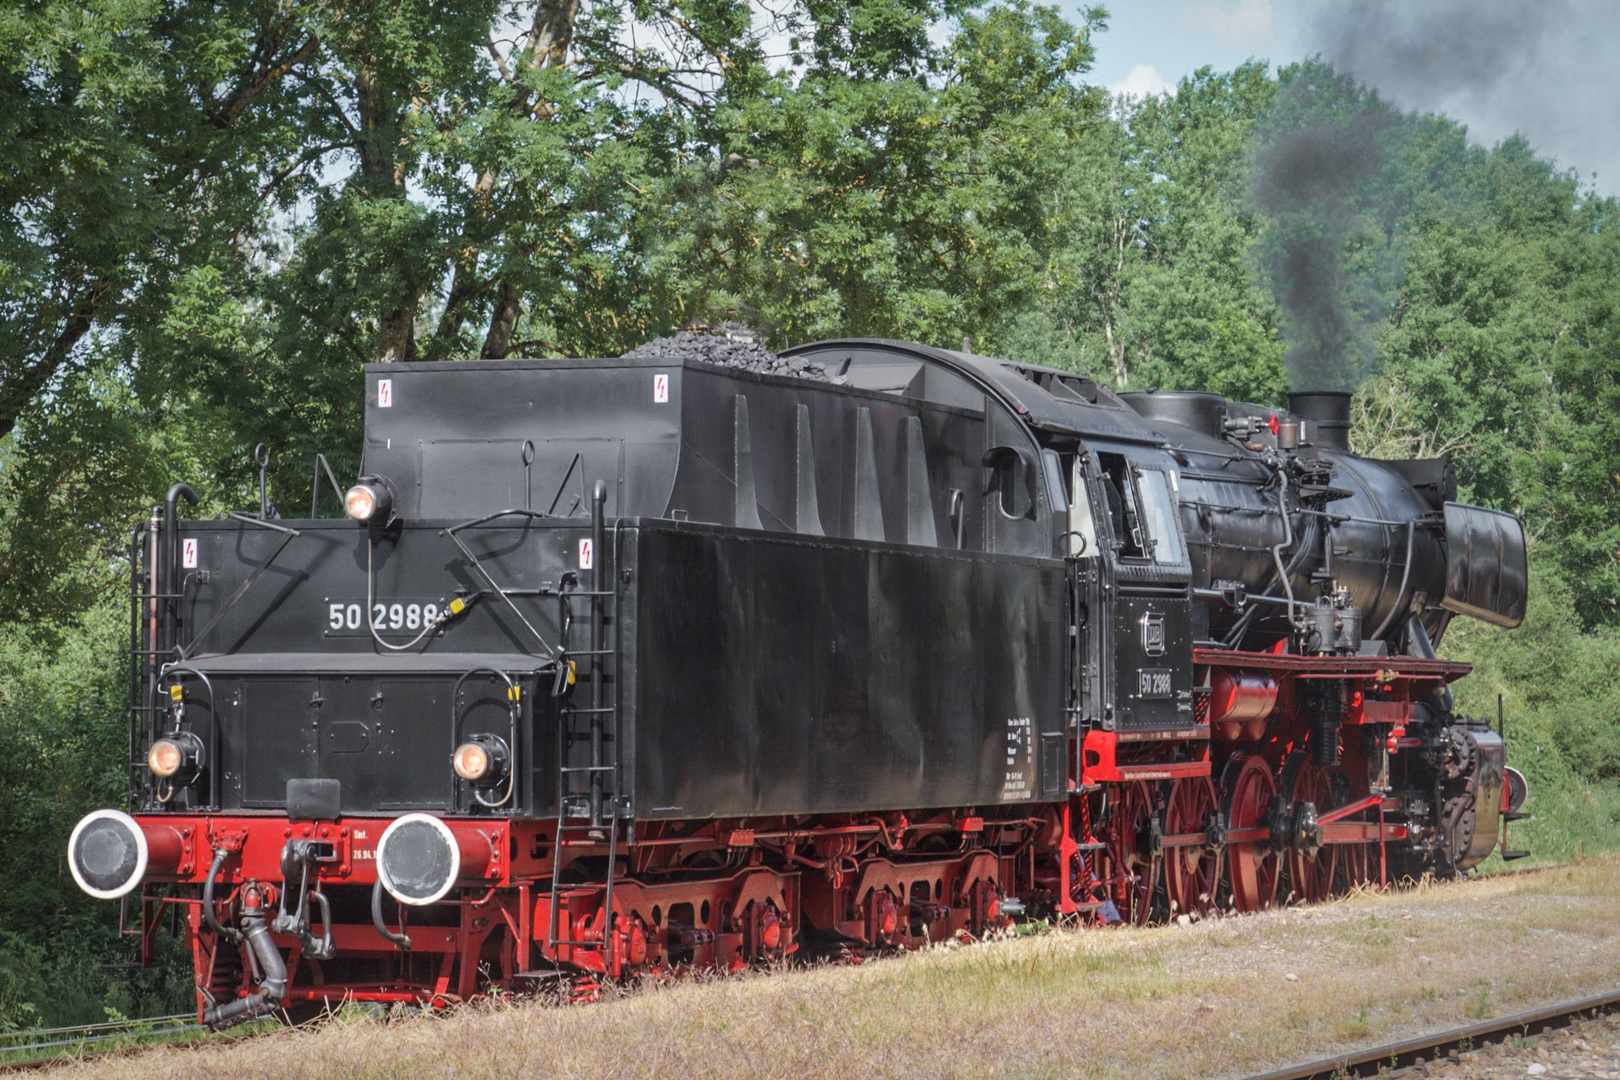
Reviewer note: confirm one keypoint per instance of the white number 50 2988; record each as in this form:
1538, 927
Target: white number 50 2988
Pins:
398, 616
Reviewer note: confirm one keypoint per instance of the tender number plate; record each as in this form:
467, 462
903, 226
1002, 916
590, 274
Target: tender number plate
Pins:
1153, 684
342, 618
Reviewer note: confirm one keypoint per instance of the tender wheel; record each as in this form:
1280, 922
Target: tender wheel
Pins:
1311, 876
1192, 872
1251, 861
1132, 869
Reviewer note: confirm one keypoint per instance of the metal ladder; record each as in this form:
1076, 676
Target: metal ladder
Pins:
590, 818
149, 632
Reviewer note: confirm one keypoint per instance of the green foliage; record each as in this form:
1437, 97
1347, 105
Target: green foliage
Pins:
1506, 325
899, 208
1560, 690
1560, 685
1149, 270
62, 749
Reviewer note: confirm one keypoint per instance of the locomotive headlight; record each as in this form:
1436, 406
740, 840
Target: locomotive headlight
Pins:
177, 756
482, 759
372, 499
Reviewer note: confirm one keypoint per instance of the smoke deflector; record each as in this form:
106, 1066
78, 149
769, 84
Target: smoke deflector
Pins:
1486, 572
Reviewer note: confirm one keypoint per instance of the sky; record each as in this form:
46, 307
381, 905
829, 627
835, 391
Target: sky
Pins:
1548, 69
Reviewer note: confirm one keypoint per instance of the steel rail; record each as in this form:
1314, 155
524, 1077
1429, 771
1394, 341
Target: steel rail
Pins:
1400, 1055
77, 1042
193, 1036
125, 1025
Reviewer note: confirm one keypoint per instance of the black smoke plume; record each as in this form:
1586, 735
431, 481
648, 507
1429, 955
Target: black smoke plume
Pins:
1425, 54
1322, 177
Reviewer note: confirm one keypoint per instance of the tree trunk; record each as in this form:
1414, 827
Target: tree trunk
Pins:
550, 35
465, 287
21, 384
1110, 294
498, 343
383, 176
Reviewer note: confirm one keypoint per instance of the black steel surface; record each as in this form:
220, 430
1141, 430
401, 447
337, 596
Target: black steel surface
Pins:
778, 676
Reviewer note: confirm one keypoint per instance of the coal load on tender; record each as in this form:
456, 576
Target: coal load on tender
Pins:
739, 351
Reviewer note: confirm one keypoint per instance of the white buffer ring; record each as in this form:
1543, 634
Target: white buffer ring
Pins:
100, 838
427, 868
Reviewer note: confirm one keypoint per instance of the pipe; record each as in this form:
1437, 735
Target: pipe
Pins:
171, 528
1307, 541
1288, 538
273, 980
1406, 576
402, 940
154, 549
229, 933
274, 983
598, 582
171, 517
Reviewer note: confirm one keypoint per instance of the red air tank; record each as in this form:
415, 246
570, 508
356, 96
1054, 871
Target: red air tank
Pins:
1239, 702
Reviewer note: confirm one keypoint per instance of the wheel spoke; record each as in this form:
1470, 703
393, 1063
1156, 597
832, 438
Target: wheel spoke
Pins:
1193, 871
1252, 864
1311, 876
1132, 870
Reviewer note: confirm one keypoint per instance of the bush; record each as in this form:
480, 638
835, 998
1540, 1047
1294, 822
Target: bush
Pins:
63, 741
1560, 689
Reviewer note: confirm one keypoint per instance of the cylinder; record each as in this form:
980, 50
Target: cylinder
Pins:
1241, 695
420, 858
110, 853
1240, 700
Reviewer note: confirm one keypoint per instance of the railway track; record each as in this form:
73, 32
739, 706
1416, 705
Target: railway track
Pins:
105, 1041
1390, 1057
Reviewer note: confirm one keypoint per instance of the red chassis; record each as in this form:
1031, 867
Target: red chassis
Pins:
709, 894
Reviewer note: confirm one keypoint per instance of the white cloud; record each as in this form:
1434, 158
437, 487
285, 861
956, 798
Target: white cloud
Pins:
1141, 81
1236, 24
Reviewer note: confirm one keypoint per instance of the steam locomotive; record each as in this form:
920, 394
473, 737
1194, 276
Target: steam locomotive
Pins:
613, 667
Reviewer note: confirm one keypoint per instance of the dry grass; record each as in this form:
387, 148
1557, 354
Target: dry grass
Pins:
1224, 997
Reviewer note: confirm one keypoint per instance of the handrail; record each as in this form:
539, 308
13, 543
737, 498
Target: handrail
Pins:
315, 485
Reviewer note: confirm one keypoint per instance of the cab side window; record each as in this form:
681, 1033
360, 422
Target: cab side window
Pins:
1159, 514
1120, 492
1082, 534
1142, 506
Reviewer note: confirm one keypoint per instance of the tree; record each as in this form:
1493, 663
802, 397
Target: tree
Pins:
1150, 274
884, 191
139, 140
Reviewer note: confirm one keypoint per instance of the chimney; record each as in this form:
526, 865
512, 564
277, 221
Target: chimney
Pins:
1329, 414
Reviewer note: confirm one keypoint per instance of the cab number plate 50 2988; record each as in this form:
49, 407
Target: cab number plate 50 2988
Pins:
1153, 683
